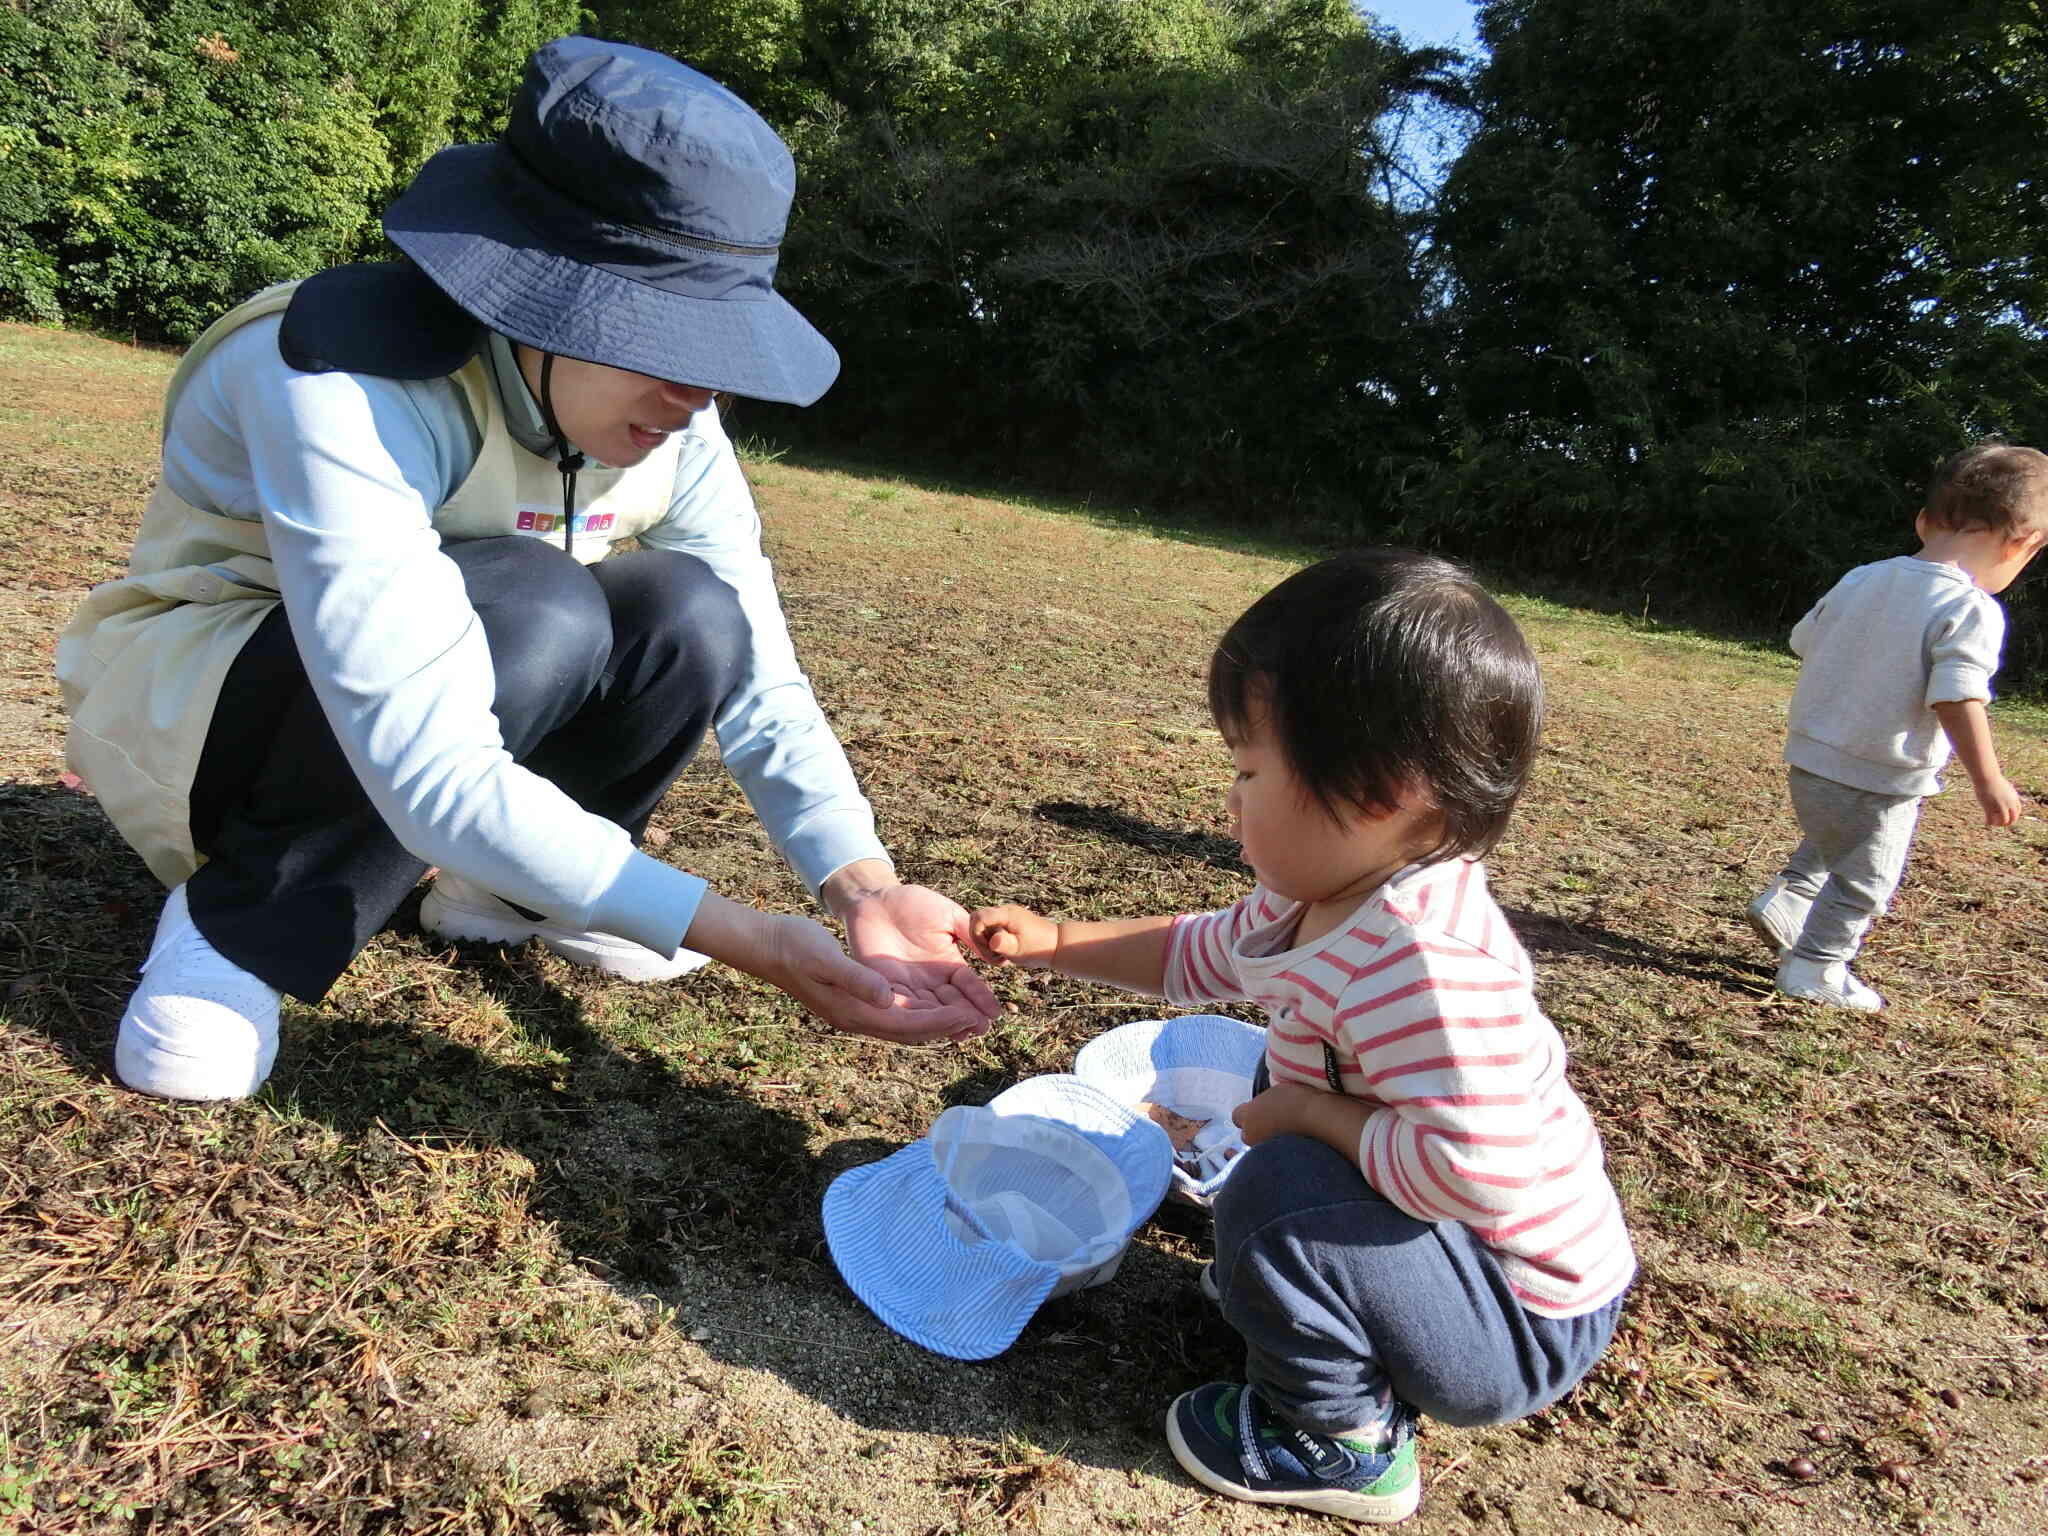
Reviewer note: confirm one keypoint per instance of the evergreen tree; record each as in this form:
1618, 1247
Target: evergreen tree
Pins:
1731, 276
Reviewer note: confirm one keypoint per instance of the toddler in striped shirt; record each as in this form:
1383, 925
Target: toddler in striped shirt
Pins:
1422, 1224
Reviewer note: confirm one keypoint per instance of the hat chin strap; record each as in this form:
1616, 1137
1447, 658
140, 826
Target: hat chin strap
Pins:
532, 422
522, 410
567, 459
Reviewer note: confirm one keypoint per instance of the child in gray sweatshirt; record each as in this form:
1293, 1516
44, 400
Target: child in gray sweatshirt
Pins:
1896, 665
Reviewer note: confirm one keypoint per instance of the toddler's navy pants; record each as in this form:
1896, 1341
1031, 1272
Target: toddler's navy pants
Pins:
1345, 1302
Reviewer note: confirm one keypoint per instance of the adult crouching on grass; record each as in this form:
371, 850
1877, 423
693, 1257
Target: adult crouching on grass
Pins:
369, 626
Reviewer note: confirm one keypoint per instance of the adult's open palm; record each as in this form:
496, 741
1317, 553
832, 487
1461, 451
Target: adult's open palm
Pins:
912, 936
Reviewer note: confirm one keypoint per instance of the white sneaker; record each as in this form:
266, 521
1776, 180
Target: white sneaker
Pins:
1211, 1286
1828, 982
456, 908
1778, 917
199, 1026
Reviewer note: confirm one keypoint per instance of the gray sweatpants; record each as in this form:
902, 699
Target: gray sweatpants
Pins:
1345, 1302
1849, 862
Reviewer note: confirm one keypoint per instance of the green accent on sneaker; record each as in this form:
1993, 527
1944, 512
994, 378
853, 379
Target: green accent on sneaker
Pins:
1403, 1470
1227, 1439
1223, 1413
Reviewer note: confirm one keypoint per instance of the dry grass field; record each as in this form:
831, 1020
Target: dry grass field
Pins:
503, 1248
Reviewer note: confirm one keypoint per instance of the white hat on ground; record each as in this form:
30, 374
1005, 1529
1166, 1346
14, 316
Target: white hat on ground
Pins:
1199, 1066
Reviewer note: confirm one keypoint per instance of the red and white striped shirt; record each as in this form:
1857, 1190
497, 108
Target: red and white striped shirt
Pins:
1421, 1003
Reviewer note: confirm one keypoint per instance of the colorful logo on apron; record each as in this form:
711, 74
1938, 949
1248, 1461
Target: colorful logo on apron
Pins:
531, 521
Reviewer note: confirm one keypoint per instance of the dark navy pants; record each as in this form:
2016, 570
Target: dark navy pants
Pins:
1345, 1303
607, 675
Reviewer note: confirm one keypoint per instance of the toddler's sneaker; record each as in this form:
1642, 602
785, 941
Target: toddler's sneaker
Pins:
1778, 917
456, 908
1226, 1438
1829, 982
199, 1027
1211, 1286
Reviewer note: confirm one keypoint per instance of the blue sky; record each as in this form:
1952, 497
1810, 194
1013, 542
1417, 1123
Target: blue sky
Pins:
1444, 23
1448, 23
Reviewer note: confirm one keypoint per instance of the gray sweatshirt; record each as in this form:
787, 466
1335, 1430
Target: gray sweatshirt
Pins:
1889, 642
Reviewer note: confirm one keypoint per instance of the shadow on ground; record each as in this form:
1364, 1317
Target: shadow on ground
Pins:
1115, 825
1268, 531
1548, 937
679, 1192
1543, 934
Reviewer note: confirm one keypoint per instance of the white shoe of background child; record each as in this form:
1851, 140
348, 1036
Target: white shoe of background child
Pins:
456, 908
1828, 981
1778, 917
199, 1026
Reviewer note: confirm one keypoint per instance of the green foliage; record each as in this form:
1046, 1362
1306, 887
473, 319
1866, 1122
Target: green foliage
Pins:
1139, 246
439, 71
165, 160
755, 47
1732, 282
163, 168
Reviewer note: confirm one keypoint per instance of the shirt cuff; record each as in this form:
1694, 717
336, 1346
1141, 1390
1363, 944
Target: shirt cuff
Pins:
1957, 683
828, 843
649, 902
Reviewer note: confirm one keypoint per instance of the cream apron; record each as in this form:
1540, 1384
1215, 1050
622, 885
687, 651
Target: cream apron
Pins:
143, 659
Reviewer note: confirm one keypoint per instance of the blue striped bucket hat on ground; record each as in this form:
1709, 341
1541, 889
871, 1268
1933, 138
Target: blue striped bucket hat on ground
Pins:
1200, 1066
957, 1239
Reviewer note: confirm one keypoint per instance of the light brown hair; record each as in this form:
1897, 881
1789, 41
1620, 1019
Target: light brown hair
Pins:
1999, 486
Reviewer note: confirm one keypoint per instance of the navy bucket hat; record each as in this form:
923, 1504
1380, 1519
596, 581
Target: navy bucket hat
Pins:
630, 214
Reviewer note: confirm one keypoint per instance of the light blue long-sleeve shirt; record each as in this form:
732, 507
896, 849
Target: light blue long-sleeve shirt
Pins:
345, 472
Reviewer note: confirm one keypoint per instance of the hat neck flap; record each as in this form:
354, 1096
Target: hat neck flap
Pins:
382, 318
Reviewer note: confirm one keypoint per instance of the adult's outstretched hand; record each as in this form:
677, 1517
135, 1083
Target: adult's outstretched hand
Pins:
803, 959
913, 936
855, 998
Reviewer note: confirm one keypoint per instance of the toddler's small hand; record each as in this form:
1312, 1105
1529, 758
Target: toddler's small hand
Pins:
1014, 936
2000, 801
1278, 1111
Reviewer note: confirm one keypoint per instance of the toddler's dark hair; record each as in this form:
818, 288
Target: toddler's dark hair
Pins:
1383, 668
1999, 486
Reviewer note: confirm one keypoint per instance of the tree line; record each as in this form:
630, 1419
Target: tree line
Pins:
1706, 290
